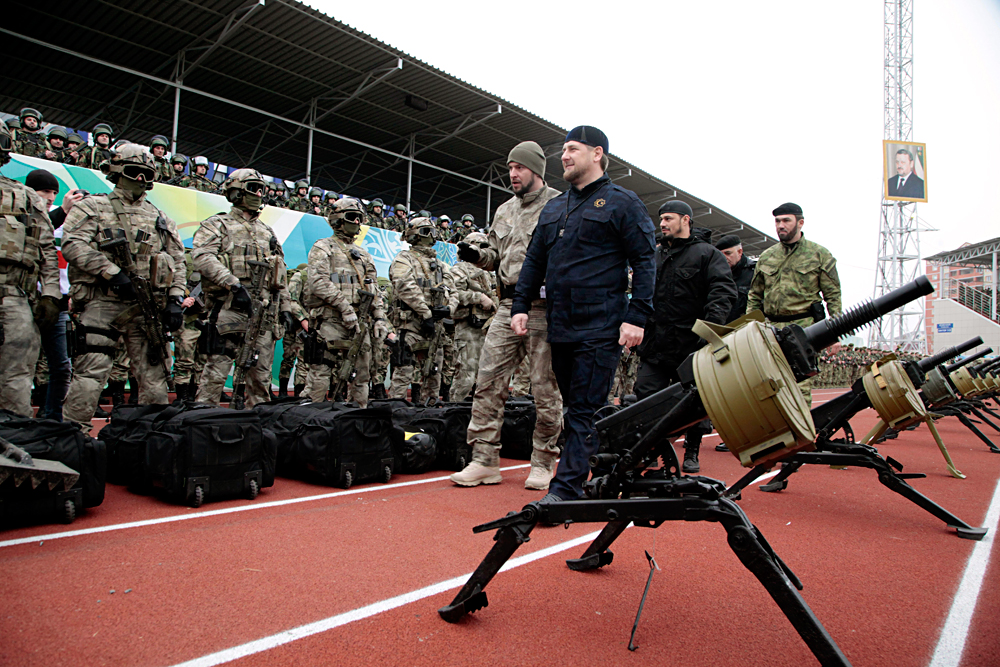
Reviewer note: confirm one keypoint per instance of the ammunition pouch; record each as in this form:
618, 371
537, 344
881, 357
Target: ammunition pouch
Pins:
476, 322
76, 339
400, 354
211, 341
817, 311
313, 347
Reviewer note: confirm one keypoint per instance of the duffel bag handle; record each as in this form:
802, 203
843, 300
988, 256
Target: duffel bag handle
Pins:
217, 437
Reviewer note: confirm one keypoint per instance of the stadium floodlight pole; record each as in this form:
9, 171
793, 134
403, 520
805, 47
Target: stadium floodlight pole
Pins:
409, 172
490, 191
309, 148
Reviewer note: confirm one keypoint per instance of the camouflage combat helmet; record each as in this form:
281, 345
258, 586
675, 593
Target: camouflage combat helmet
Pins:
315, 192
159, 140
331, 196
375, 203
421, 232
348, 214
424, 213
28, 112
301, 184
400, 207
244, 188
131, 161
468, 217
58, 133
301, 266
177, 158
279, 185
477, 238
6, 140
14, 123
74, 138
103, 128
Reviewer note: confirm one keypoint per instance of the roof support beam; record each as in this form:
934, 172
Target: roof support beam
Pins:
369, 81
232, 25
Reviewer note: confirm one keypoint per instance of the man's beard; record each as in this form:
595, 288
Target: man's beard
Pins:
788, 236
574, 173
525, 187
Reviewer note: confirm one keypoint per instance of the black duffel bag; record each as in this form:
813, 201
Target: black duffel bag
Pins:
280, 421
519, 416
343, 445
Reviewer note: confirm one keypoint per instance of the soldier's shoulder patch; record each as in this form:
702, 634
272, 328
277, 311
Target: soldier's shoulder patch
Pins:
598, 203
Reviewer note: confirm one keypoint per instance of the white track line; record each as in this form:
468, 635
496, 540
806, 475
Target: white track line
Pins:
956, 627
288, 636
228, 510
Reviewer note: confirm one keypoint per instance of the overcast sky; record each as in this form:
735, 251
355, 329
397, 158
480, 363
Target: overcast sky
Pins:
745, 105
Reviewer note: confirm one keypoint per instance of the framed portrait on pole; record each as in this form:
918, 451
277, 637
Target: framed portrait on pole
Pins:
904, 171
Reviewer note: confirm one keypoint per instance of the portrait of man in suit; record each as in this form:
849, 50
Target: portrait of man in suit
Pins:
905, 169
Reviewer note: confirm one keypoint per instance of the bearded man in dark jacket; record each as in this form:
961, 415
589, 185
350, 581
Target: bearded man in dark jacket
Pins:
693, 282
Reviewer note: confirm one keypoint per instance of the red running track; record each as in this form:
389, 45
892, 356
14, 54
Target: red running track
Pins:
880, 573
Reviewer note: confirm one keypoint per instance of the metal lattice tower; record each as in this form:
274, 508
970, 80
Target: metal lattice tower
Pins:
899, 259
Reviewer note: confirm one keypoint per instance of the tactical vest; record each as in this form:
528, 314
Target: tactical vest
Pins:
31, 144
147, 242
20, 247
348, 275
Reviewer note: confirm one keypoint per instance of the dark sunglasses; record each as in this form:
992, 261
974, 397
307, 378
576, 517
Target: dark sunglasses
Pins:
425, 231
353, 216
137, 172
254, 188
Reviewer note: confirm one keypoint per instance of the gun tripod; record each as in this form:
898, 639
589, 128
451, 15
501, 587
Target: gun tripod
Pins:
959, 409
846, 452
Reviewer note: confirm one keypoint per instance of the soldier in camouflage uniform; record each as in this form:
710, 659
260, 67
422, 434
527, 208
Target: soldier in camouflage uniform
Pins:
473, 302
27, 259
188, 360
91, 157
316, 206
224, 247
56, 149
280, 199
329, 204
503, 350
338, 271
29, 140
102, 293
397, 222
382, 348
299, 201
414, 274
177, 165
199, 180
291, 344
158, 146
625, 374
794, 277
520, 384
374, 212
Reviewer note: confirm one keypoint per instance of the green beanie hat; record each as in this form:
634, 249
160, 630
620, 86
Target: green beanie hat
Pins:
529, 154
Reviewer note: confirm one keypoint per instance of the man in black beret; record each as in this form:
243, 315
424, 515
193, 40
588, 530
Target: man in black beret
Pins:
585, 241
693, 282
742, 267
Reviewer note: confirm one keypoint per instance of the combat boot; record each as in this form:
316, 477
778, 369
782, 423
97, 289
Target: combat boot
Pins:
445, 392
101, 413
183, 394
378, 391
476, 473
542, 466
133, 391
117, 393
414, 392
298, 389
282, 387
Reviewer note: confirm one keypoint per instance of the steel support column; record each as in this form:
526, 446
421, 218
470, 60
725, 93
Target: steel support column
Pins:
993, 306
489, 191
409, 174
177, 113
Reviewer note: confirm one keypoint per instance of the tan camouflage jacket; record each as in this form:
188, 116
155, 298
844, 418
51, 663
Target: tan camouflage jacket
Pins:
338, 271
163, 170
788, 279
513, 224
88, 264
27, 247
465, 282
225, 243
91, 157
413, 274
199, 183
295, 285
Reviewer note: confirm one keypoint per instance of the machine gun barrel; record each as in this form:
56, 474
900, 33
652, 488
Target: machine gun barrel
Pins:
951, 368
944, 355
985, 367
991, 367
826, 332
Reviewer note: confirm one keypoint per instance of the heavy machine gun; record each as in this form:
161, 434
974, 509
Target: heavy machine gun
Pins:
941, 394
263, 313
744, 379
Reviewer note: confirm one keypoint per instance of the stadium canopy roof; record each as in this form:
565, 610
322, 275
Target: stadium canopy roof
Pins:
282, 87
983, 253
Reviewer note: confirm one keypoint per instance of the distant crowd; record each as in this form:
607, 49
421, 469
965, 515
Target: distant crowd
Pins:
843, 367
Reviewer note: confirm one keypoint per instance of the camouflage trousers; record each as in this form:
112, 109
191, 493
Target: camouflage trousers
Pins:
18, 354
380, 362
449, 360
338, 340
403, 376
521, 382
625, 374
188, 361
468, 348
120, 367
92, 369
218, 366
291, 352
502, 351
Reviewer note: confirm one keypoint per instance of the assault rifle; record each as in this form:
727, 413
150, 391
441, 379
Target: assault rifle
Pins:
263, 312
834, 416
348, 371
440, 312
623, 490
116, 244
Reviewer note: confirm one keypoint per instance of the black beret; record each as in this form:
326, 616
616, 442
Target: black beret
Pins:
787, 209
728, 241
39, 179
676, 206
589, 135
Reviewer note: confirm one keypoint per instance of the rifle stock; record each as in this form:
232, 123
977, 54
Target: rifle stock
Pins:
347, 370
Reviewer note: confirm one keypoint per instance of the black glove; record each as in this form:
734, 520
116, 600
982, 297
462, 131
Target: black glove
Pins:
468, 253
287, 321
427, 327
173, 314
241, 299
440, 313
122, 286
46, 312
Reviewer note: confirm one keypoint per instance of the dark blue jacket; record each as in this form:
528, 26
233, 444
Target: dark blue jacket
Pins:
581, 249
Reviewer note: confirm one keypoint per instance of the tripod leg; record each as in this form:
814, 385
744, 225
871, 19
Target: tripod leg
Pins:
955, 472
472, 597
889, 479
984, 418
746, 480
597, 554
779, 483
979, 434
743, 540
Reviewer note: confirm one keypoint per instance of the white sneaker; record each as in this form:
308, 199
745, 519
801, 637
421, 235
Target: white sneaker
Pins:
476, 473
539, 479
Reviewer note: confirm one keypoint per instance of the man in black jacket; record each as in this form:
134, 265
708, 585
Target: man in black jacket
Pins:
693, 282
742, 267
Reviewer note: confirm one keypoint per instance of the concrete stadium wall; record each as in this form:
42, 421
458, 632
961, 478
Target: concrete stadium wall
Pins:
965, 325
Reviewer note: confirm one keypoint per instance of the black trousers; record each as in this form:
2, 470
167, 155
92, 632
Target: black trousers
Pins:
654, 377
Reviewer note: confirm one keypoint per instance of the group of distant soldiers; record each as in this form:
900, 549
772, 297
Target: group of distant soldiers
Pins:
845, 366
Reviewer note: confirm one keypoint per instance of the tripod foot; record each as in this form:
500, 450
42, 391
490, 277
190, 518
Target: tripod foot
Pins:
970, 533
455, 611
592, 562
774, 486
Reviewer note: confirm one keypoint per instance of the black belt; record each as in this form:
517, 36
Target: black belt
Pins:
507, 291
788, 318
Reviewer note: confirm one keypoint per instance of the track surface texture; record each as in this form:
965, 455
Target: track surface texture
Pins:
310, 575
